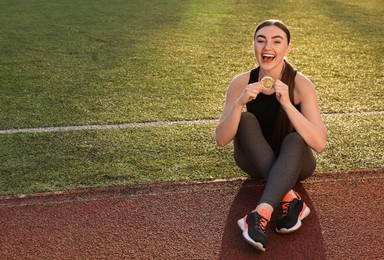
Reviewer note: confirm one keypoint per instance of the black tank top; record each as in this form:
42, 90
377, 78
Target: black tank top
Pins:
264, 107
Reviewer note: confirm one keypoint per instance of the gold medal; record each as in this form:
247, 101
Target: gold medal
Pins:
267, 83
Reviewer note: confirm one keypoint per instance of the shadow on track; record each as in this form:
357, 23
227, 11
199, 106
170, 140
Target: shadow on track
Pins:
306, 243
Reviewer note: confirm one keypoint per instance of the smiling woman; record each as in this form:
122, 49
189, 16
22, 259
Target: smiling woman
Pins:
274, 139
280, 40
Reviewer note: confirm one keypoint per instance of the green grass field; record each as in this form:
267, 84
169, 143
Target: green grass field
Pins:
65, 63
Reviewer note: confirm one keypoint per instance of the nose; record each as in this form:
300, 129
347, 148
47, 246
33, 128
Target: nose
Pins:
267, 45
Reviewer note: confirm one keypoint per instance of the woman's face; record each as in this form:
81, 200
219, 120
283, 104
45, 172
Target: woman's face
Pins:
270, 47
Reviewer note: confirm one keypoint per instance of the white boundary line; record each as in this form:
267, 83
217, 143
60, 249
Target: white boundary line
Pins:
102, 127
148, 124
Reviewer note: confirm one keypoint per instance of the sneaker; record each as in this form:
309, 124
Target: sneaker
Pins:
293, 212
242, 223
254, 227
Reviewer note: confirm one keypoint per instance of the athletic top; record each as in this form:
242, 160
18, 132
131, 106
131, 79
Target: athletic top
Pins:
264, 107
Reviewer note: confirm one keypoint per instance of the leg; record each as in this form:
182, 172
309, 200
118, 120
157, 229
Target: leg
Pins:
294, 163
293, 208
242, 160
254, 156
252, 152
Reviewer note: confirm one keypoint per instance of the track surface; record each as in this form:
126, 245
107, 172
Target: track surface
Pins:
194, 221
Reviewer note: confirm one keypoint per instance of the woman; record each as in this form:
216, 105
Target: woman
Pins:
274, 139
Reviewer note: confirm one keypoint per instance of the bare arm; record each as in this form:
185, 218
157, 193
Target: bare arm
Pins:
238, 94
309, 123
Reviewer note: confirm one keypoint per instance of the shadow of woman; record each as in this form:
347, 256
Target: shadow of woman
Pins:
305, 243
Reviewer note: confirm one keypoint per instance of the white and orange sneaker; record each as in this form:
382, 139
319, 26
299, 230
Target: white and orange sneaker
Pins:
294, 210
254, 227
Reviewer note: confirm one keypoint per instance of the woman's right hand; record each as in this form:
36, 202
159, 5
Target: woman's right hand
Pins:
249, 93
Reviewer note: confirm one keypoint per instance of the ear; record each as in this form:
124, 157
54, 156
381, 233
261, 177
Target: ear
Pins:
287, 50
254, 48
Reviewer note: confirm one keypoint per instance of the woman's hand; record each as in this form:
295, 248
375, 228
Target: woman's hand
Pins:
282, 93
249, 93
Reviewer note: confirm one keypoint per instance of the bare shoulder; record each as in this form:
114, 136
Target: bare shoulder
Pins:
238, 83
304, 88
302, 82
241, 79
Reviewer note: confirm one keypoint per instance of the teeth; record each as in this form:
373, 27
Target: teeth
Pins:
268, 55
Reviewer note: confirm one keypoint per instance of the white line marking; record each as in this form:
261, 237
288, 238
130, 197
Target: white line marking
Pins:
101, 127
148, 124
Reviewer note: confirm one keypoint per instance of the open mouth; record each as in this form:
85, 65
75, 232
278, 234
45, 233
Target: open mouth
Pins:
268, 57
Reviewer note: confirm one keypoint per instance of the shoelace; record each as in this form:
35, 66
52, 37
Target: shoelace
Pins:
263, 222
285, 205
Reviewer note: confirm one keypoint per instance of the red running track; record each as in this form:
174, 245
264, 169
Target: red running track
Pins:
194, 221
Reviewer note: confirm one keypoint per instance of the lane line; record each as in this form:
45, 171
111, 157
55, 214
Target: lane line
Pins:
149, 124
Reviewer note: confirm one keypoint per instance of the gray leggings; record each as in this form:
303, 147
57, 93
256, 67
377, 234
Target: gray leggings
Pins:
255, 156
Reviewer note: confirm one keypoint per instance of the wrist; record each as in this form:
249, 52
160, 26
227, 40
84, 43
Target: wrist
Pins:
287, 106
238, 103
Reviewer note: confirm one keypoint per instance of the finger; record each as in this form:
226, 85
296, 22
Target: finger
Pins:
258, 87
252, 86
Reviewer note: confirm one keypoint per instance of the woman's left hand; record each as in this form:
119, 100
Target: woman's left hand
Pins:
282, 92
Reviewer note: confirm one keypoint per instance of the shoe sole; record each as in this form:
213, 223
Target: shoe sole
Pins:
298, 223
257, 245
241, 224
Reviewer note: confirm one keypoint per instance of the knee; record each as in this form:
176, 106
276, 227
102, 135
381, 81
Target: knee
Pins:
294, 139
246, 118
